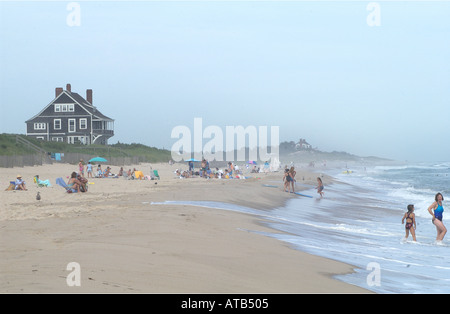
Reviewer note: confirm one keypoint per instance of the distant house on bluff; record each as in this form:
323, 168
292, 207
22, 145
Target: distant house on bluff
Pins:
72, 119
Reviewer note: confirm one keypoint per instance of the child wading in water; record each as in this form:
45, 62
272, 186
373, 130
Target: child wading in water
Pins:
410, 222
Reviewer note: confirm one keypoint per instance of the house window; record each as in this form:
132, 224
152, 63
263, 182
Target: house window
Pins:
57, 124
72, 125
57, 139
65, 108
39, 126
83, 124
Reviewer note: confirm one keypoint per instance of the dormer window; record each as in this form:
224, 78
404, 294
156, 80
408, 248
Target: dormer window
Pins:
64, 107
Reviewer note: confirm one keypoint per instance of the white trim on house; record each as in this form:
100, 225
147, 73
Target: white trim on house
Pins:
74, 125
34, 134
54, 124
69, 107
85, 123
40, 126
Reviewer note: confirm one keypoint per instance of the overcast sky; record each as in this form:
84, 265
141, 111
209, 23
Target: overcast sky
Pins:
317, 70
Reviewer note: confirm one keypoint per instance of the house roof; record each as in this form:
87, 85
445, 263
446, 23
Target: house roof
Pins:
71, 97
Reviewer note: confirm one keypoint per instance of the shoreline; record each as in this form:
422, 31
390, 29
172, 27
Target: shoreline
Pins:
124, 245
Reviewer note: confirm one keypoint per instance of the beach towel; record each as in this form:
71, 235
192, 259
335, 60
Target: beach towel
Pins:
139, 175
61, 182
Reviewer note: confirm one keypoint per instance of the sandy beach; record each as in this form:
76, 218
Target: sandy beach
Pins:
125, 244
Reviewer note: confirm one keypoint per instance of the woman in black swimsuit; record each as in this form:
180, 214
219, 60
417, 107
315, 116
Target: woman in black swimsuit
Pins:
410, 222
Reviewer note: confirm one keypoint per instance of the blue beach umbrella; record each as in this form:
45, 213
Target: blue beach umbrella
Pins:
98, 159
193, 159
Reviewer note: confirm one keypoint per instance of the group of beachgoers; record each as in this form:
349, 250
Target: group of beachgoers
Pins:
289, 181
232, 171
20, 185
436, 210
79, 183
100, 173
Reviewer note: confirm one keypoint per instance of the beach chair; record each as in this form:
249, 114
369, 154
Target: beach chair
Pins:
39, 184
139, 175
12, 186
61, 182
155, 172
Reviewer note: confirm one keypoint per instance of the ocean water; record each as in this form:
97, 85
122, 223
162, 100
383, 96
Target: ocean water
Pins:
358, 221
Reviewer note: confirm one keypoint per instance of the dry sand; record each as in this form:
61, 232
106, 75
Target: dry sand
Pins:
123, 243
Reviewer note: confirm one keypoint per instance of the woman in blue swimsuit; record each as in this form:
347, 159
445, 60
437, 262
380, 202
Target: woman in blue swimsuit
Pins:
436, 210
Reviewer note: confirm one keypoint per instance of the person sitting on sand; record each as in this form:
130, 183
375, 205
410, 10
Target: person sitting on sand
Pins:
120, 172
107, 172
73, 182
84, 182
20, 184
99, 171
319, 186
186, 174
410, 222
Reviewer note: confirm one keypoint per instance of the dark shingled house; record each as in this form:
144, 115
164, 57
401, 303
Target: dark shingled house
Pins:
72, 119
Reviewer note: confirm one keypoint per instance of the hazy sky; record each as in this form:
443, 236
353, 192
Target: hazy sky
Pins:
315, 69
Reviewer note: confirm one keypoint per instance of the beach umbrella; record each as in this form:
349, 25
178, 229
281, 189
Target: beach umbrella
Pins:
193, 159
251, 162
98, 159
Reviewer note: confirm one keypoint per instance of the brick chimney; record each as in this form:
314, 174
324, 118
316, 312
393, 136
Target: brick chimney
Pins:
89, 95
68, 88
58, 91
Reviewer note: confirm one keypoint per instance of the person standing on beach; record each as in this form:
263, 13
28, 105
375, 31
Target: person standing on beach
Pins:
203, 168
287, 180
191, 167
89, 170
320, 186
436, 210
292, 174
81, 168
410, 222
